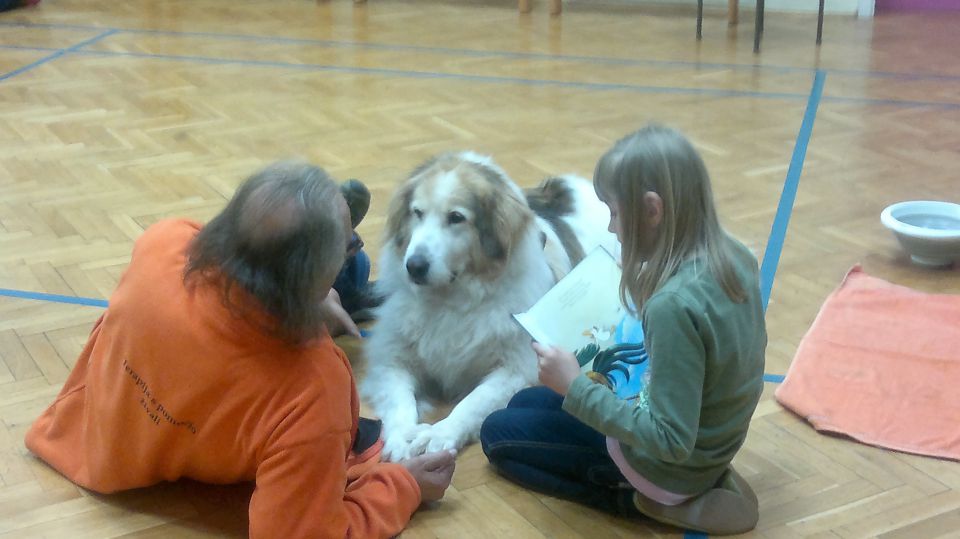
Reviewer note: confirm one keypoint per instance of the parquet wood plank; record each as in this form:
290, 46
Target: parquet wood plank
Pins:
164, 116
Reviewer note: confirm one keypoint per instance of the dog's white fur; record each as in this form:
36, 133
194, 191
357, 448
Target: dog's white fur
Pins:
453, 335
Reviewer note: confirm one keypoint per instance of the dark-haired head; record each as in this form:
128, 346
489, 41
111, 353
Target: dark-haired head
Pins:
282, 240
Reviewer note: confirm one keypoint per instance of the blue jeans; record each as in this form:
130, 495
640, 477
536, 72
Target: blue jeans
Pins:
352, 281
536, 444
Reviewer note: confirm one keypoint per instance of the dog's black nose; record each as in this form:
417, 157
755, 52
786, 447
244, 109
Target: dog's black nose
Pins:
417, 267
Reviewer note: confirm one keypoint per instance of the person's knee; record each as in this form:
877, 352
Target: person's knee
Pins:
492, 431
361, 268
352, 281
355, 271
536, 397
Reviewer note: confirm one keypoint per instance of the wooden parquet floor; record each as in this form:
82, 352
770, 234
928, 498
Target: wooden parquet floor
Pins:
116, 114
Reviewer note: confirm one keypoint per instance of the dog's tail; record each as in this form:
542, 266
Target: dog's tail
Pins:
553, 200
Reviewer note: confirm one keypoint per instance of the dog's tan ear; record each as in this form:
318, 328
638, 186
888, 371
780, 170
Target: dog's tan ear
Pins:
501, 218
398, 216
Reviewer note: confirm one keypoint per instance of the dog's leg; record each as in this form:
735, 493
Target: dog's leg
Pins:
462, 426
392, 394
425, 409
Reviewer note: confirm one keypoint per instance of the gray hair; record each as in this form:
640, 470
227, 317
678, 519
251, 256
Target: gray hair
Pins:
282, 240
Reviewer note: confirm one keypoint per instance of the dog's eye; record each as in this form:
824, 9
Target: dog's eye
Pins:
455, 217
418, 213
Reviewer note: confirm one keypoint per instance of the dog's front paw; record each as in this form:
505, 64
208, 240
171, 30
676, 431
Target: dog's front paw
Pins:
397, 444
441, 436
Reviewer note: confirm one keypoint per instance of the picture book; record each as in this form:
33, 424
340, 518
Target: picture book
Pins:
583, 314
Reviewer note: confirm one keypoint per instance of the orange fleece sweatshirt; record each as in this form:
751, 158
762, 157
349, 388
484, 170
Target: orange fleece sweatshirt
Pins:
172, 385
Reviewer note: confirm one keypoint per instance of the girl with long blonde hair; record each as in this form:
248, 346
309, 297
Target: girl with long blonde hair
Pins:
666, 453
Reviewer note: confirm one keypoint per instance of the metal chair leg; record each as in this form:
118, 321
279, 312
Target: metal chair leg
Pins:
758, 27
700, 19
820, 23
763, 15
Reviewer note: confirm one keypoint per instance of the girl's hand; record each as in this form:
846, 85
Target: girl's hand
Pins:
558, 368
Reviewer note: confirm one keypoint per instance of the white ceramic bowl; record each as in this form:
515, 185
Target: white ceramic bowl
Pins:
928, 230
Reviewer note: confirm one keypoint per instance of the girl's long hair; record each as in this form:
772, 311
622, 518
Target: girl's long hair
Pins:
662, 160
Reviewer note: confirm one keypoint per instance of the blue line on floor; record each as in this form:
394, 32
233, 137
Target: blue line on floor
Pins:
92, 302
57, 298
891, 102
778, 232
694, 535
499, 54
56, 55
30, 48
713, 92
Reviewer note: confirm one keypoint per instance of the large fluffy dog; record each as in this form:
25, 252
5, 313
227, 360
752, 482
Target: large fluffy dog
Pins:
465, 248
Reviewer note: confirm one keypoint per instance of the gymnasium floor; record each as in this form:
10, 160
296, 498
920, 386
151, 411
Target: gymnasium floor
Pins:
116, 114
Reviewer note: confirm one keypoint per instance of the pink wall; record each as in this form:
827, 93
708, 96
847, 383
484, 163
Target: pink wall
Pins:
890, 6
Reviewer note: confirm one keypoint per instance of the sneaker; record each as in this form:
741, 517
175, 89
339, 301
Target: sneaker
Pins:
729, 508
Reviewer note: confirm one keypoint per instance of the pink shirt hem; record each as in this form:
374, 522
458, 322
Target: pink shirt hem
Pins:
639, 482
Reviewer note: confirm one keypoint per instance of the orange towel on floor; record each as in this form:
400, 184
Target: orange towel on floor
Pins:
881, 364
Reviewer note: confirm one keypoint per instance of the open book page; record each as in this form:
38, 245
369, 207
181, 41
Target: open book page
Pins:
583, 314
582, 311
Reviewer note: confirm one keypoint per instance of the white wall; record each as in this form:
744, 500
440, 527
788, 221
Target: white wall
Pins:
845, 7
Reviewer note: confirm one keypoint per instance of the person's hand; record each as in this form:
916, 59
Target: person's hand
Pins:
433, 472
337, 319
356, 243
558, 368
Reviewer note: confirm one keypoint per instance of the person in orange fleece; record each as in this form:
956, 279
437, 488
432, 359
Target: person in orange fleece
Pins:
213, 362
